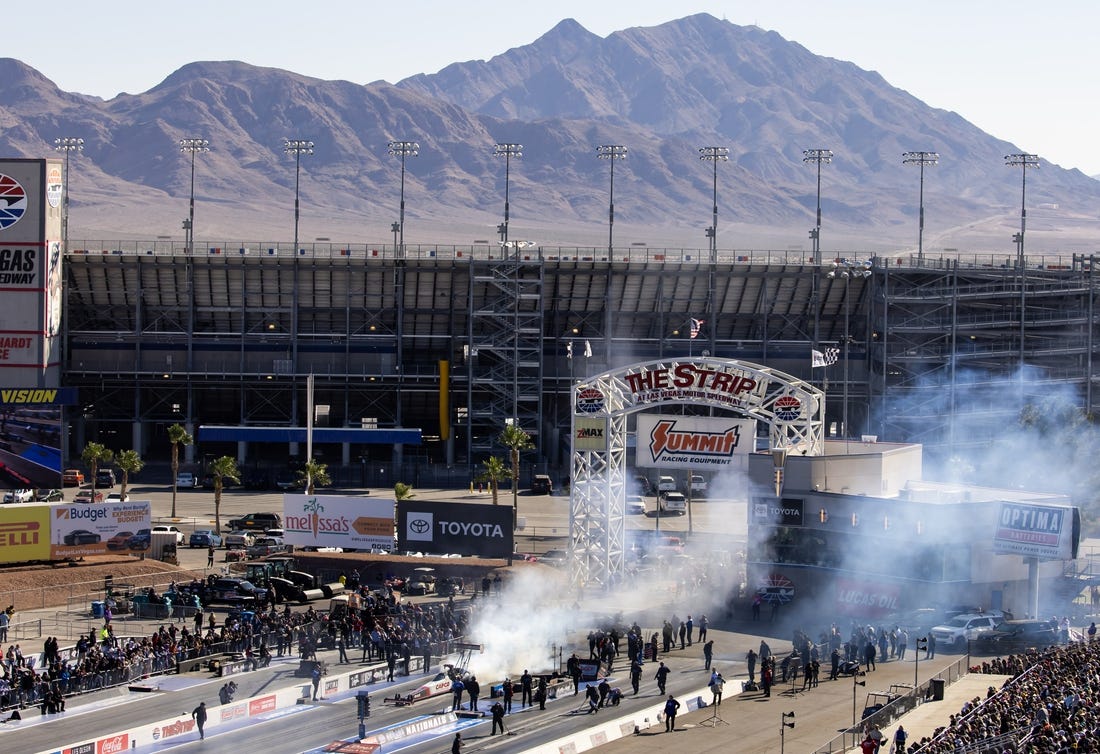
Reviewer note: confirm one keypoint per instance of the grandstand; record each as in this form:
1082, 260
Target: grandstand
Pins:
229, 336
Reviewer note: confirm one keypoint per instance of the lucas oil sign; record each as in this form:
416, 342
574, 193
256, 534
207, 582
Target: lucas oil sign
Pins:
676, 442
460, 528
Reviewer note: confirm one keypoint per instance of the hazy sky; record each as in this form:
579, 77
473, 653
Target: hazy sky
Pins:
1026, 72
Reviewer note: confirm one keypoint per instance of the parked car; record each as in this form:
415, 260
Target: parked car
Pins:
72, 478
264, 546
635, 504
257, 522
186, 480
672, 502
141, 540
642, 485
81, 537
557, 558
288, 481
541, 484
49, 496
116, 497
1013, 636
105, 478
87, 496
698, 485
239, 540
168, 529
19, 496
257, 480
204, 538
120, 541
964, 628
666, 484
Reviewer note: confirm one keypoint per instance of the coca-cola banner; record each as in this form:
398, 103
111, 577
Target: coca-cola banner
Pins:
866, 599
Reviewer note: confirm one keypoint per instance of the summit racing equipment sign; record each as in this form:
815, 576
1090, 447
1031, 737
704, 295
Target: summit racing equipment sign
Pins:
462, 528
1044, 531
676, 442
350, 523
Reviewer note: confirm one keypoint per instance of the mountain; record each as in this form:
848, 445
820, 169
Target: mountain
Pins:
661, 91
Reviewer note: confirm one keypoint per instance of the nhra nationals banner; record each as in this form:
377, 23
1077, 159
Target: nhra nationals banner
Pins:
24, 533
1044, 531
680, 442
92, 529
350, 523
462, 528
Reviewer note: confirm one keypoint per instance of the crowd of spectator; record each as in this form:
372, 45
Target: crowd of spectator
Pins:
1048, 706
384, 626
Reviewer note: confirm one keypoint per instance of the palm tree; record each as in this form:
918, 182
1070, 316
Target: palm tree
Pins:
94, 454
223, 468
177, 435
314, 474
515, 439
402, 491
129, 462
495, 470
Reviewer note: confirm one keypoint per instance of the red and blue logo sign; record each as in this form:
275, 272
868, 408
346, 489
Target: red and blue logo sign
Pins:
589, 400
787, 408
13, 201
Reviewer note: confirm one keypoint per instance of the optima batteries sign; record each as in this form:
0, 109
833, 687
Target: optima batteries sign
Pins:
1044, 531
352, 523
461, 528
678, 442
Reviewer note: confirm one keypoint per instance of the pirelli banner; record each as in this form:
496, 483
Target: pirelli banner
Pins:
680, 442
24, 533
1050, 532
485, 531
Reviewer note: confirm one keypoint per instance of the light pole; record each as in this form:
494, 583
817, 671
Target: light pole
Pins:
611, 153
297, 147
783, 725
714, 155
921, 159
855, 683
846, 270
921, 643
820, 157
402, 149
192, 147
68, 145
507, 151
1022, 161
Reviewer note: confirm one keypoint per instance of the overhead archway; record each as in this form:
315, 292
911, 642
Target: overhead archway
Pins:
792, 409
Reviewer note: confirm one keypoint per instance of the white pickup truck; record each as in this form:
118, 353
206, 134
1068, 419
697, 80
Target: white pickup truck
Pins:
698, 486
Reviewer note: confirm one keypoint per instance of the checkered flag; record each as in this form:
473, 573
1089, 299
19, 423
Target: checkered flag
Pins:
826, 359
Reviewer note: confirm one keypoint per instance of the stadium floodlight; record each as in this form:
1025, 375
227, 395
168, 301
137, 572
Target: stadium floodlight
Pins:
67, 145
1022, 161
714, 155
192, 147
507, 151
820, 157
921, 159
612, 153
297, 147
402, 149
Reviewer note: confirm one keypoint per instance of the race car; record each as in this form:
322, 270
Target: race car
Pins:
439, 685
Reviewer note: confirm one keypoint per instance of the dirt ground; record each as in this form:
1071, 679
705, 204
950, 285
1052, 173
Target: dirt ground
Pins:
30, 587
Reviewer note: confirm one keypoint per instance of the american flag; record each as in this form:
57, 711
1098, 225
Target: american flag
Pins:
820, 359
696, 325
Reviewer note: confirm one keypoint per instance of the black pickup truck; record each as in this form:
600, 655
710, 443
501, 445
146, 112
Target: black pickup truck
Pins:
257, 522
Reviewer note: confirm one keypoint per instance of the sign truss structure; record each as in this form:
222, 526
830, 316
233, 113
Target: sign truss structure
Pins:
793, 409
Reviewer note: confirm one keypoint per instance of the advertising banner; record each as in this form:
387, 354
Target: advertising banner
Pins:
93, 529
680, 442
24, 533
460, 528
770, 511
866, 599
589, 434
350, 523
1045, 531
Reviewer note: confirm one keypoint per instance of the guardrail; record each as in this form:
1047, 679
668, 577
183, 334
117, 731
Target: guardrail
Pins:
851, 738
